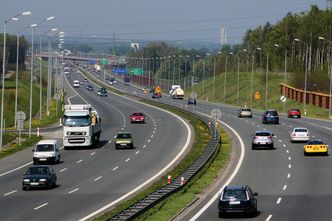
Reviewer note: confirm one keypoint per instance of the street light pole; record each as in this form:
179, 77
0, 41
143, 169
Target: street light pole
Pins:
238, 80
266, 78
252, 77
31, 77
15, 18
214, 76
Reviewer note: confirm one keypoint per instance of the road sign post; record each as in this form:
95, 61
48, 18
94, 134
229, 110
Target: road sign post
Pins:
216, 115
20, 118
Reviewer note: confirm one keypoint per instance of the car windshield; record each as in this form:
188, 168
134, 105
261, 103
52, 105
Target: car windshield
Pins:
271, 113
235, 194
137, 114
124, 136
295, 110
44, 147
245, 109
315, 142
263, 134
37, 170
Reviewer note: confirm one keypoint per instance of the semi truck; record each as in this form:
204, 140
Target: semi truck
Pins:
81, 126
176, 92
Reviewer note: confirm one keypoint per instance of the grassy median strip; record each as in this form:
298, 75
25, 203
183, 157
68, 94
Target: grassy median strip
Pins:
14, 147
201, 139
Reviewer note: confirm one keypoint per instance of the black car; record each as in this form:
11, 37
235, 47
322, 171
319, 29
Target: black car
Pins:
191, 101
270, 116
102, 92
89, 87
39, 177
235, 199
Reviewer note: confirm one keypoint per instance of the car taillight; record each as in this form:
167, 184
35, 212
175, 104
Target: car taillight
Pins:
294, 134
308, 134
270, 137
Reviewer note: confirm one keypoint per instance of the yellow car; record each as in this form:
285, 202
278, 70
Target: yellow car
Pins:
315, 147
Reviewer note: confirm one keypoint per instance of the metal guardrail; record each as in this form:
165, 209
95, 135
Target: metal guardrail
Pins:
157, 196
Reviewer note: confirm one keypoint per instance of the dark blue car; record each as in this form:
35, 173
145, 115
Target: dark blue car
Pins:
270, 117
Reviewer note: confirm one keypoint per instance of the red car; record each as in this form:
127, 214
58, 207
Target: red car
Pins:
137, 117
294, 112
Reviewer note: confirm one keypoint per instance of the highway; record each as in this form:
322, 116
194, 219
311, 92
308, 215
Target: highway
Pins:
290, 185
94, 178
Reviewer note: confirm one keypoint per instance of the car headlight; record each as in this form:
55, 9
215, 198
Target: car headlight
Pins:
26, 180
42, 180
51, 155
84, 133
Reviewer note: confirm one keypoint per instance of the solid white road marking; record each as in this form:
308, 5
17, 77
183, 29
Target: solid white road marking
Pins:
70, 192
79, 161
98, 178
11, 192
137, 152
64, 169
17, 168
268, 218
38, 207
127, 159
93, 153
284, 187
115, 168
279, 200
288, 175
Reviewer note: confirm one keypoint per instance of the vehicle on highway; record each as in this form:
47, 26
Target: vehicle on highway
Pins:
245, 112
294, 113
81, 126
299, 134
262, 138
176, 92
124, 140
41, 176
191, 101
156, 95
46, 151
235, 199
315, 147
270, 116
89, 87
137, 117
102, 92
82, 82
76, 84
85, 79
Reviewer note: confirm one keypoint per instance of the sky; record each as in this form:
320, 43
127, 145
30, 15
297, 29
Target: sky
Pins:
135, 20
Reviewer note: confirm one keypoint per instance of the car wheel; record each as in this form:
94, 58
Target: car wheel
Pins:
253, 147
116, 146
305, 153
220, 214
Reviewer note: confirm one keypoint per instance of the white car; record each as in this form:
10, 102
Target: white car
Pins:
46, 151
76, 84
300, 134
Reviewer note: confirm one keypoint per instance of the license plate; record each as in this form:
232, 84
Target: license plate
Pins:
234, 202
34, 184
42, 159
316, 148
123, 144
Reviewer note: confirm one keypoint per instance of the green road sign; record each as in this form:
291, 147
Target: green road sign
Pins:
136, 71
104, 61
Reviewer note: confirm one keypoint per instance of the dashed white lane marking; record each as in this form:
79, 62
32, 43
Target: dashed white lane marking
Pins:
313, 136
151, 135
122, 128
115, 136
290, 126
268, 218
289, 158
127, 159
11, 192
149, 140
70, 192
280, 141
115, 168
38, 207
284, 187
98, 178
93, 153
154, 132
289, 166
284, 145
79, 161
252, 123
137, 152
282, 123
144, 146
288, 175
287, 151
64, 169
110, 141
258, 125
155, 128
279, 200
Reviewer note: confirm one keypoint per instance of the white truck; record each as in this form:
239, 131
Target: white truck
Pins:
176, 92
81, 126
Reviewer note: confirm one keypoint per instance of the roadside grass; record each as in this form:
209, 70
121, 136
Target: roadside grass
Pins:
201, 139
245, 96
14, 147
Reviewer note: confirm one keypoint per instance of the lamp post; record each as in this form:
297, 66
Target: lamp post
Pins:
225, 77
266, 78
17, 67
41, 74
214, 75
207, 54
33, 26
193, 77
185, 72
15, 18
252, 77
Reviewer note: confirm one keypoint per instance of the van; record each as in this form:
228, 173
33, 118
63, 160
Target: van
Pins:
46, 151
76, 84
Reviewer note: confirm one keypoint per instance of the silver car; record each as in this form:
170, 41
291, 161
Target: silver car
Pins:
245, 112
300, 134
262, 138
